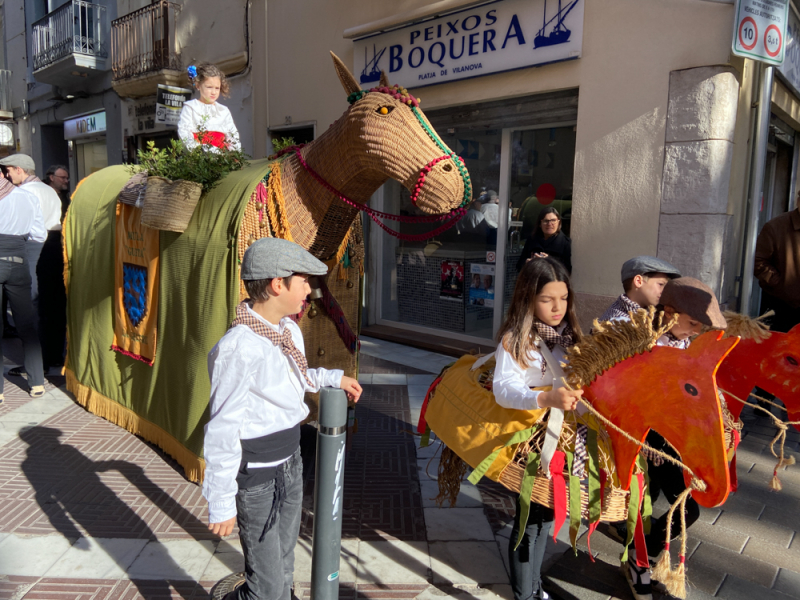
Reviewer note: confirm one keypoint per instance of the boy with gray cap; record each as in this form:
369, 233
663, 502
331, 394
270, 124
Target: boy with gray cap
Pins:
643, 279
259, 375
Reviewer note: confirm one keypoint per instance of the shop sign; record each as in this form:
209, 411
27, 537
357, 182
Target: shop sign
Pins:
452, 286
481, 287
85, 126
169, 102
759, 29
494, 37
790, 69
144, 112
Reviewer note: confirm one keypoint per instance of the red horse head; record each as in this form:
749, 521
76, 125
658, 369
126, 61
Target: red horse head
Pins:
673, 392
773, 364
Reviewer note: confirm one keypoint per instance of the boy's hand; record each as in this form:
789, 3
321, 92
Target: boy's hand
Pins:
560, 398
224, 528
351, 387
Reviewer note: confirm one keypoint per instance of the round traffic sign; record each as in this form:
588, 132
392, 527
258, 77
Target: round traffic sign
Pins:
773, 41
748, 33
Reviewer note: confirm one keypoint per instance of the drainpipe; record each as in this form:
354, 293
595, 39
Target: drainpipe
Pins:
756, 191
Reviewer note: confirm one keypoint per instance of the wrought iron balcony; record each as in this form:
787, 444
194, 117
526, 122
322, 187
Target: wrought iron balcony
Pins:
71, 40
143, 49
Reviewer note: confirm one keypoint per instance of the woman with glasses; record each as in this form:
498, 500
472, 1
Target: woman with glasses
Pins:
547, 240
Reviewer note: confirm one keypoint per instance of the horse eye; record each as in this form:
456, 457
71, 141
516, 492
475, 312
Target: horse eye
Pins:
791, 360
384, 110
691, 389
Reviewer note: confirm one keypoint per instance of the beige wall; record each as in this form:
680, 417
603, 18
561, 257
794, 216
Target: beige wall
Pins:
629, 49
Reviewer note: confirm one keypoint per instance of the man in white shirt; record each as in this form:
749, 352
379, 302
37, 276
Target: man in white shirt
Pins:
22, 220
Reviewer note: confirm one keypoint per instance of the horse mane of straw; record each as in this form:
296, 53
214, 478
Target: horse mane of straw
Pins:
612, 342
746, 327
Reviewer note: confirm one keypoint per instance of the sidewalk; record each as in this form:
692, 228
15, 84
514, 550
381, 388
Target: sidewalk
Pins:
91, 511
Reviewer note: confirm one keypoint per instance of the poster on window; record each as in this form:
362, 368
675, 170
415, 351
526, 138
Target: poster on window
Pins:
481, 287
169, 103
452, 287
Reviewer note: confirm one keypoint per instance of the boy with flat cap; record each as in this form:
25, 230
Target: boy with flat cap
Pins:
643, 280
259, 375
695, 306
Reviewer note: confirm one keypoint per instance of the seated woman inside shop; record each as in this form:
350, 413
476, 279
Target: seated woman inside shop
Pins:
547, 240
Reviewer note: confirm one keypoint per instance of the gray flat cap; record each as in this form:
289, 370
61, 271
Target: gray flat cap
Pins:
19, 160
268, 258
641, 265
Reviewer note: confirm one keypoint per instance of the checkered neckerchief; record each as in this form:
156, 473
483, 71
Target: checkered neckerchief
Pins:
552, 338
676, 343
620, 309
283, 341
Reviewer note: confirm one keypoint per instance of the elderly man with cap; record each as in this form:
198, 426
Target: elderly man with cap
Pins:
259, 375
694, 306
22, 220
643, 280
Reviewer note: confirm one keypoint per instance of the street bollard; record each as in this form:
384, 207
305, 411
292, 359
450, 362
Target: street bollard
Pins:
326, 541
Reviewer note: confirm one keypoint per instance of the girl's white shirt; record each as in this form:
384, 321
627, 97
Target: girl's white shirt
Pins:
512, 384
256, 390
218, 118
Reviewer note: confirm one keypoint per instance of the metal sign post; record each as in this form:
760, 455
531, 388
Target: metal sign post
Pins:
326, 541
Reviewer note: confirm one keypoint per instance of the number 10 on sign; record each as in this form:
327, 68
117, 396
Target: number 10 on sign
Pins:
760, 29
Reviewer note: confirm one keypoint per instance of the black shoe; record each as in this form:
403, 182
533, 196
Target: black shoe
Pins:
638, 579
10, 332
18, 372
618, 531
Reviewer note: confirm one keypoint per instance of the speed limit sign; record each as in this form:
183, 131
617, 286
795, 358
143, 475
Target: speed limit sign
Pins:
760, 29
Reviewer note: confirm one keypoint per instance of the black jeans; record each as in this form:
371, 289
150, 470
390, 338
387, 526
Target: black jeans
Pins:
15, 284
52, 301
667, 479
526, 561
269, 564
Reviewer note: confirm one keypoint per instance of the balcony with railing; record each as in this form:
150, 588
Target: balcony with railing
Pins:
70, 44
143, 50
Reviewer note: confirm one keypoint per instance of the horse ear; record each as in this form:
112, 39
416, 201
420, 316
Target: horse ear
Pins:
349, 82
712, 346
385, 80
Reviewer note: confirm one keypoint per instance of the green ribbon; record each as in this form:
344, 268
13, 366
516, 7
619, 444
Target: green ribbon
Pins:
647, 505
574, 503
595, 492
480, 470
633, 515
425, 440
531, 468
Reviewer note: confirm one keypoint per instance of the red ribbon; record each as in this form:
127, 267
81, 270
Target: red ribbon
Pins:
638, 539
214, 138
422, 426
559, 491
734, 479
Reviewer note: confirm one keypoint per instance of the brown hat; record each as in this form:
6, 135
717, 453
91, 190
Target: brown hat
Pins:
693, 297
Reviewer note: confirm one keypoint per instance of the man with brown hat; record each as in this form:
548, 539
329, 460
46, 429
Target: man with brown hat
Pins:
695, 306
777, 267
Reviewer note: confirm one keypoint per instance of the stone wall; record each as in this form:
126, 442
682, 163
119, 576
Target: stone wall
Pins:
694, 224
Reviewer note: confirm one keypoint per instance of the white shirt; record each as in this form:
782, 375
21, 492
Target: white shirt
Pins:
255, 390
512, 384
218, 118
22, 215
49, 201
491, 212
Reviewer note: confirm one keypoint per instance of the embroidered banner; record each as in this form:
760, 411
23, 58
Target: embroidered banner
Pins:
135, 286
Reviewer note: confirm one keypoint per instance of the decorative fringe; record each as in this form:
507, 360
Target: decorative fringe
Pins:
746, 327
663, 568
612, 342
451, 471
676, 581
775, 483
276, 207
100, 405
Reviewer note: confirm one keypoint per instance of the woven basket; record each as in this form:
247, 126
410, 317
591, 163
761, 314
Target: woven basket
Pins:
133, 192
615, 500
169, 205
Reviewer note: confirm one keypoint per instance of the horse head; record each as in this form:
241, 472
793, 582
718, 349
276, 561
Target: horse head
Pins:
771, 363
673, 392
384, 135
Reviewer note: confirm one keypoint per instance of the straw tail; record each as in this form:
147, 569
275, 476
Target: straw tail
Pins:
384, 80
673, 392
349, 82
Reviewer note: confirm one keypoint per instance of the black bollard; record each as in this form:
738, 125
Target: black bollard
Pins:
326, 544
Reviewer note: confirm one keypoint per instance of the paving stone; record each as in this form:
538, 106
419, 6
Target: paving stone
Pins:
788, 582
726, 538
97, 558
467, 592
578, 577
746, 524
712, 562
456, 524
31, 556
736, 588
468, 497
348, 561
467, 562
709, 515
784, 518
172, 559
228, 558
774, 554
393, 562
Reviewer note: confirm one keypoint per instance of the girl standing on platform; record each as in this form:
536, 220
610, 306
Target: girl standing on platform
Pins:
542, 311
206, 113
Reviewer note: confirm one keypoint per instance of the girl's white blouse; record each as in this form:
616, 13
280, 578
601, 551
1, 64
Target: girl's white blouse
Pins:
218, 118
512, 384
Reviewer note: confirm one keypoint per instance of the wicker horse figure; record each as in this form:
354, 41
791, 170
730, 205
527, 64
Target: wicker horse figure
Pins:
767, 359
632, 384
